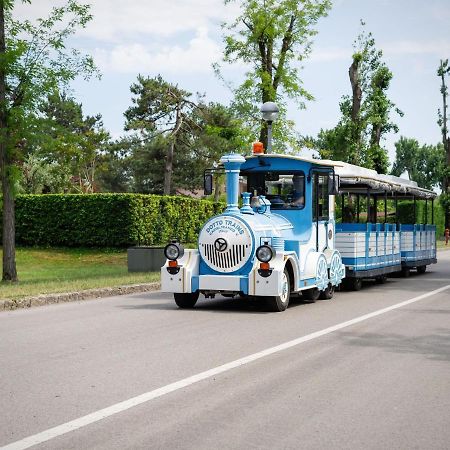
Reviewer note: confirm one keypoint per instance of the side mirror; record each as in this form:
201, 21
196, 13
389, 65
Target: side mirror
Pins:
208, 183
333, 185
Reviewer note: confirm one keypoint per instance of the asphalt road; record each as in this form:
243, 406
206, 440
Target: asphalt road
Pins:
382, 382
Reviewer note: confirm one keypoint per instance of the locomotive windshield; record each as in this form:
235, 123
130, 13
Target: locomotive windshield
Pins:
284, 190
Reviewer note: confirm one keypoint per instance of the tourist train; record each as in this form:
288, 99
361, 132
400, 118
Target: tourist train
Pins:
279, 237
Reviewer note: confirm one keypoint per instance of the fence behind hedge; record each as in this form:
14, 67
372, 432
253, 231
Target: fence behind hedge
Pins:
109, 220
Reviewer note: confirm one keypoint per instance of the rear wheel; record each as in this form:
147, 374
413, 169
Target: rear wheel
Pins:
421, 269
186, 300
353, 284
278, 303
311, 295
327, 293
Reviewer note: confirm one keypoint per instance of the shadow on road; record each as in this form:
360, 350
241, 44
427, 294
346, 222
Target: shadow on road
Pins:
216, 305
433, 346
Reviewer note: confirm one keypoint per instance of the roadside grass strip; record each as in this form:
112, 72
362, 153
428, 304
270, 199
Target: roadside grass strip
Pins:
60, 270
156, 393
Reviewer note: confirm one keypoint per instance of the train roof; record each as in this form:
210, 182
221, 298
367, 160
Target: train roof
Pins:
356, 179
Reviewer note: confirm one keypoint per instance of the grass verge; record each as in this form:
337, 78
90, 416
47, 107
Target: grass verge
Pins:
45, 271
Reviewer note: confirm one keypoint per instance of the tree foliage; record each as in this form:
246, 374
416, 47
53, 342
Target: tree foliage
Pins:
34, 61
72, 140
177, 138
423, 163
442, 73
365, 115
162, 111
272, 37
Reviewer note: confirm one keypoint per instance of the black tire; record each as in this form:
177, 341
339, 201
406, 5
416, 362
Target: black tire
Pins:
279, 303
406, 272
421, 269
186, 301
381, 279
327, 293
354, 284
311, 295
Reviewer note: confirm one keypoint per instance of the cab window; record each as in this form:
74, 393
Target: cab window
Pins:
320, 197
284, 190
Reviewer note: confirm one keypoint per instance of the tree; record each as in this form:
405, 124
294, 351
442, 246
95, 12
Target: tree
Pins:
218, 132
40, 177
213, 130
161, 109
34, 60
72, 140
115, 174
365, 115
271, 36
424, 164
443, 71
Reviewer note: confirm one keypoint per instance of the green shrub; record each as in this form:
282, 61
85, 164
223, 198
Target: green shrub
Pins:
109, 220
406, 214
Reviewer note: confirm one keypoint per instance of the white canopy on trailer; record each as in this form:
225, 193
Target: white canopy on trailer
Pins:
356, 179
359, 179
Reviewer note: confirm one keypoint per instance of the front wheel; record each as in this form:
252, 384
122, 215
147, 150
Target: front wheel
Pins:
186, 300
278, 303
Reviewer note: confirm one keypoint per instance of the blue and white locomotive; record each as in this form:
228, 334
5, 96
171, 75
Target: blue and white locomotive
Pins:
282, 239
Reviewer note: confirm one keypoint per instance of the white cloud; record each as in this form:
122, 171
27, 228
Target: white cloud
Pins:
410, 47
197, 56
118, 20
392, 48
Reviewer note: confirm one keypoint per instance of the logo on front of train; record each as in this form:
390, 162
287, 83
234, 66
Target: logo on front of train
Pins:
229, 243
226, 245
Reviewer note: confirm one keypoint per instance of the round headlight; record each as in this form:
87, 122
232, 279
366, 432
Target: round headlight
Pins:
265, 253
173, 251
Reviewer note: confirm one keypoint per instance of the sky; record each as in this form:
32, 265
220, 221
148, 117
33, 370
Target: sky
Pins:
182, 39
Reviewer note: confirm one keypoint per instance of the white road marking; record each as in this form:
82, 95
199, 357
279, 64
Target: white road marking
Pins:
143, 398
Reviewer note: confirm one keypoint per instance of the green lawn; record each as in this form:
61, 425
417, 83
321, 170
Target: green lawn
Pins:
43, 271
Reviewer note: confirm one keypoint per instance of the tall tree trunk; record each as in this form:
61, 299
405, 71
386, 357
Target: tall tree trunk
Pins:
169, 168
443, 70
9, 231
168, 171
353, 73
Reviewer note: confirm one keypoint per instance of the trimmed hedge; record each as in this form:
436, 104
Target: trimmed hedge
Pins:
109, 220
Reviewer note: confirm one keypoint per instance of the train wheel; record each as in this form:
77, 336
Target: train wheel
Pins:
381, 279
278, 303
311, 294
421, 269
353, 284
186, 301
327, 293
337, 273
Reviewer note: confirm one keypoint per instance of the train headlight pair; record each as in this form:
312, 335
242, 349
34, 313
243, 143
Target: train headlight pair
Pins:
174, 251
265, 253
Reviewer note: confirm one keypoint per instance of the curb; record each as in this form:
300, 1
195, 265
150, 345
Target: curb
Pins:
88, 294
